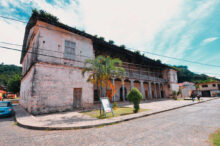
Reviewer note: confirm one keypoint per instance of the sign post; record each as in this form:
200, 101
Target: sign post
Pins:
106, 106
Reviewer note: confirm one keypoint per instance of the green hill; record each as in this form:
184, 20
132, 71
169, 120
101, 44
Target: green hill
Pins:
186, 75
7, 72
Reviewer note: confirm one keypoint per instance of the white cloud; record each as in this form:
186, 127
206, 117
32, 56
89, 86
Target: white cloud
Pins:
159, 26
67, 13
179, 33
209, 40
126, 21
13, 32
133, 23
4, 3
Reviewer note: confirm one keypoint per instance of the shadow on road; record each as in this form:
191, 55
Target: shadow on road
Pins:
6, 118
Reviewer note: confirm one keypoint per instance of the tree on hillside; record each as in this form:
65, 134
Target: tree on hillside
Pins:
184, 74
111, 42
137, 52
7, 72
14, 84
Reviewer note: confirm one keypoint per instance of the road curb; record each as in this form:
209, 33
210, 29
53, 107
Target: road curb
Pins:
102, 124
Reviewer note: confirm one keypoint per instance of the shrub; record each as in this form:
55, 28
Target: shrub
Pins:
115, 105
135, 97
123, 46
111, 42
174, 95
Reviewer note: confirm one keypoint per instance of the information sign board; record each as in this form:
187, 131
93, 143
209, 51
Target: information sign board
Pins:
106, 105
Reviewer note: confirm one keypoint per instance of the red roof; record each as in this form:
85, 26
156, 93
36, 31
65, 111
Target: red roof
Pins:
2, 91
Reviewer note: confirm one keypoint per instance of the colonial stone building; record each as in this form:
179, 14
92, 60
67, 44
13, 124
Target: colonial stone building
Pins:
53, 56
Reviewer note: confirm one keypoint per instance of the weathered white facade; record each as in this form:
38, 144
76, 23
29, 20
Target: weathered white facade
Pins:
53, 57
210, 89
48, 78
187, 88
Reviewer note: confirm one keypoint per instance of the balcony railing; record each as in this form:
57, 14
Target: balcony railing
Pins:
141, 76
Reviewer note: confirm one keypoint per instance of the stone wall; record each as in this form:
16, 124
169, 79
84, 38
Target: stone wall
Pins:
26, 89
53, 89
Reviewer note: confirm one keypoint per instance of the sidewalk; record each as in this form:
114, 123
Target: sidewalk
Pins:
76, 120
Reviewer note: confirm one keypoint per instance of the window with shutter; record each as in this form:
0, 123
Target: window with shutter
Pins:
69, 50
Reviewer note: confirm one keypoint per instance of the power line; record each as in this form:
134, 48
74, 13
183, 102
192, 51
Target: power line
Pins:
180, 59
137, 71
13, 19
91, 58
8, 48
133, 64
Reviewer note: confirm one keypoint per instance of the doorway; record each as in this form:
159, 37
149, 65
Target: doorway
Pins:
77, 97
146, 94
206, 94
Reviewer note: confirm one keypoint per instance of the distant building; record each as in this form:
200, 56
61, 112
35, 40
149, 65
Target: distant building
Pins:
186, 88
210, 89
2, 92
51, 73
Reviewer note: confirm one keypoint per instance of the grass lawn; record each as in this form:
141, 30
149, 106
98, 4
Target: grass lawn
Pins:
119, 112
215, 138
180, 99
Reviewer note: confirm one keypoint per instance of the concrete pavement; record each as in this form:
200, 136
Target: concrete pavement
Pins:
77, 120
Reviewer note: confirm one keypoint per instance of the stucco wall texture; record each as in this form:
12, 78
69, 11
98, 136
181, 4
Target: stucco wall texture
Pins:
53, 89
48, 82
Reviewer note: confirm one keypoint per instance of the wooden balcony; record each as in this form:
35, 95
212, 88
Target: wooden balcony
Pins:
142, 76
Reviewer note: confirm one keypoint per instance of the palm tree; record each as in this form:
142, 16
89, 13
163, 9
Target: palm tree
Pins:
102, 69
112, 69
94, 66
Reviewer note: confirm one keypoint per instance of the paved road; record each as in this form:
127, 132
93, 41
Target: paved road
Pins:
186, 126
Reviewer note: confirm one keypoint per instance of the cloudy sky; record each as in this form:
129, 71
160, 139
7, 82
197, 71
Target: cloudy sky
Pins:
187, 29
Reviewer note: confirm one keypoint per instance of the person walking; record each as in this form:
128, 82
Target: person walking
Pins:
193, 96
198, 97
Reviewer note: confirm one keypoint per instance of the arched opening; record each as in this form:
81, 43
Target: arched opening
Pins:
121, 94
146, 94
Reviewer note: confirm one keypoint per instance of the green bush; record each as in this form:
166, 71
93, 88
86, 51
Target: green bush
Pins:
135, 97
174, 95
115, 105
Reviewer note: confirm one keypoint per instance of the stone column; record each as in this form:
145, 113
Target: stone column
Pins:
149, 90
159, 91
163, 90
142, 90
155, 90
113, 83
132, 83
123, 89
